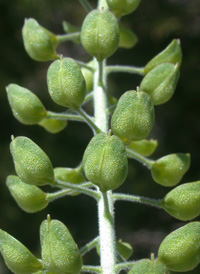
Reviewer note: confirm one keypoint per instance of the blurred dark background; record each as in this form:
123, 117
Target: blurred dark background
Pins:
177, 122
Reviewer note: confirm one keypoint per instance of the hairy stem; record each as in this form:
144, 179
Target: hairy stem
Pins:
143, 160
88, 120
137, 199
64, 116
91, 269
66, 37
92, 193
126, 69
89, 246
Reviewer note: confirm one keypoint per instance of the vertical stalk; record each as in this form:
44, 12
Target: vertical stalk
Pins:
105, 203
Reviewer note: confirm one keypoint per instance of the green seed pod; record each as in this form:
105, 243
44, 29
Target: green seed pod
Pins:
180, 250
39, 42
60, 253
171, 54
128, 39
123, 7
160, 83
88, 76
146, 266
144, 147
169, 170
53, 125
133, 118
29, 198
100, 34
70, 175
31, 163
26, 106
66, 83
16, 256
183, 202
124, 250
105, 162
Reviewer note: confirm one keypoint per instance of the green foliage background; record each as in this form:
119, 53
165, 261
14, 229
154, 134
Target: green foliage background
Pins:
177, 122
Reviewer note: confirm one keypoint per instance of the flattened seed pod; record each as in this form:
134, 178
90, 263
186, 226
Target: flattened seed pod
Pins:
53, 125
169, 170
180, 250
29, 198
100, 34
133, 118
105, 162
171, 54
160, 83
31, 162
146, 266
16, 256
26, 106
123, 7
66, 83
60, 253
128, 39
144, 147
39, 42
70, 175
183, 202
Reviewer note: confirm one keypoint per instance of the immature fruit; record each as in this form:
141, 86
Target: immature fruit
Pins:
133, 118
128, 39
171, 54
146, 266
60, 253
123, 7
124, 250
169, 170
183, 202
88, 76
160, 83
16, 256
26, 106
144, 147
180, 250
30, 198
31, 163
100, 34
66, 83
105, 162
39, 42
70, 175
53, 125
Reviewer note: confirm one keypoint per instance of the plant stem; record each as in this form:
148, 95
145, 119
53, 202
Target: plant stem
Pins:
64, 116
89, 246
102, 4
88, 97
100, 98
92, 193
134, 155
62, 193
124, 266
137, 199
88, 120
127, 69
84, 65
91, 269
86, 5
66, 37
107, 234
